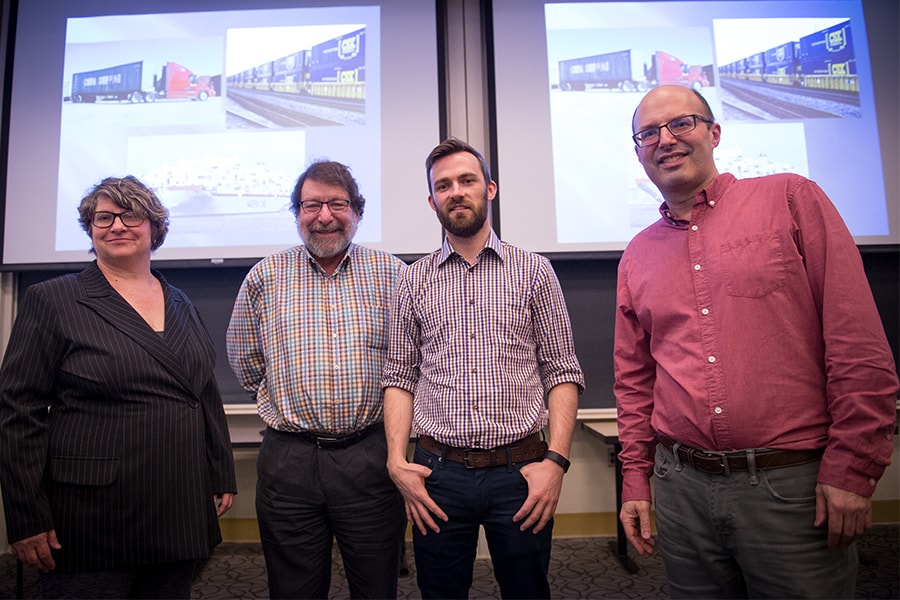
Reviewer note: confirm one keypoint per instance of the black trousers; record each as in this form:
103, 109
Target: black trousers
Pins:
306, 497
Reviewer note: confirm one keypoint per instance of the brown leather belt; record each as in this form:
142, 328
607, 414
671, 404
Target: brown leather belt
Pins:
723, 463
528, 448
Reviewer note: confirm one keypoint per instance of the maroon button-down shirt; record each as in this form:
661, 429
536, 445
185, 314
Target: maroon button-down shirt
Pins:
753, 326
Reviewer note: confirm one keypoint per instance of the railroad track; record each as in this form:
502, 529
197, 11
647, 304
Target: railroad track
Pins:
779, 102
347, 104
266, 114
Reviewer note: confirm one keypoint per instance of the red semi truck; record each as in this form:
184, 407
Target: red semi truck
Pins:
615, 70
135, 82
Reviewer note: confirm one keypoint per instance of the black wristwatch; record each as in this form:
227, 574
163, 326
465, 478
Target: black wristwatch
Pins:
558, 459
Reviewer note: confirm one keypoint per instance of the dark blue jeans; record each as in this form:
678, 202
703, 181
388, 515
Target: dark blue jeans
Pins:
487, 497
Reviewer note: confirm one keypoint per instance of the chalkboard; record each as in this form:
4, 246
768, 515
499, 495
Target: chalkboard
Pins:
590, 290
212, 290
589, 286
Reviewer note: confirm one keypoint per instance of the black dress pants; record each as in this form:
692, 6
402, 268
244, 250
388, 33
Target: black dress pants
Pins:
308, 496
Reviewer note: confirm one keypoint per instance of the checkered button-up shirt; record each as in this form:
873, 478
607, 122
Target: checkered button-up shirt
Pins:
309, 347
480, 345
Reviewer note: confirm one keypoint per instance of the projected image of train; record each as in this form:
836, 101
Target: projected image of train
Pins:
625, 71
321, 85
814, 76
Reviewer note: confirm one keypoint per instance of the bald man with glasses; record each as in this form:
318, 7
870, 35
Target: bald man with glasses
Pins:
753, 375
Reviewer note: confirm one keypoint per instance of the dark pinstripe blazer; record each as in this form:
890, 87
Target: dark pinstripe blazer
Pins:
125, 462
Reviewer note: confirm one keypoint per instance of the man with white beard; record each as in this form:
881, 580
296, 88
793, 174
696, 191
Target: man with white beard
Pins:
307, 340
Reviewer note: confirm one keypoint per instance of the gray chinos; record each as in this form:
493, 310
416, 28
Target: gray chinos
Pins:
746, 535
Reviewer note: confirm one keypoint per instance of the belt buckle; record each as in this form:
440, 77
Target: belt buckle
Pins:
325, 443
469, 453
723, 460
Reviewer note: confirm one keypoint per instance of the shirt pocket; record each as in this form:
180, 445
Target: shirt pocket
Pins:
754, 265
374, 319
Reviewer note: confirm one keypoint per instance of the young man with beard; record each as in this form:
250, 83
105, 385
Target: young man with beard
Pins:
479, 336
307, 340
753, 376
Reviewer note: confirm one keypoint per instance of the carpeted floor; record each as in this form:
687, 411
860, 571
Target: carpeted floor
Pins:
580, 568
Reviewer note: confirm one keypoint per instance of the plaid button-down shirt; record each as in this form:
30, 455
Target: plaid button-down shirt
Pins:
309, 347
480, 345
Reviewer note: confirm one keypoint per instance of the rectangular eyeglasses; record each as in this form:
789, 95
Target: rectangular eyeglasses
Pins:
104, 219
312, 207
677, 126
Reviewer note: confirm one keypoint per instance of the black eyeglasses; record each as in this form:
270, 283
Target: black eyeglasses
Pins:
105, 220
677, 126
312, 207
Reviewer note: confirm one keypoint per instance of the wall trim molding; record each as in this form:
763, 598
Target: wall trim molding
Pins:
569, 525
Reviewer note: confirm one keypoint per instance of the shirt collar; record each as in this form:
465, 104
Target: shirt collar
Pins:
351, 249
710, 195
492, 243
713, 192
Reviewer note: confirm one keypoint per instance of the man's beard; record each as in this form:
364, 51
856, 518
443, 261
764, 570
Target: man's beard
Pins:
464, 228
328, 248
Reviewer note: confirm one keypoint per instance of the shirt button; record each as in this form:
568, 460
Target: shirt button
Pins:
872, 482
712, 202
696, 267
718, 410
705, 311
694, 228
711, 359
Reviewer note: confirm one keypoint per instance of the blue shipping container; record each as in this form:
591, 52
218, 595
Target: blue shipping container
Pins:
780, 59
612, 67
754, 65
110, 80
341, 60
828, 52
